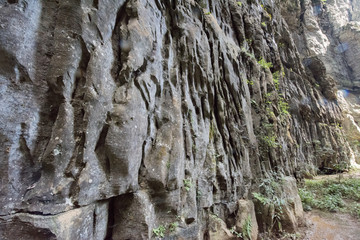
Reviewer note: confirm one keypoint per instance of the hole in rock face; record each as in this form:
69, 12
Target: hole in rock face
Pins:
96, 4
13, 1
189, 220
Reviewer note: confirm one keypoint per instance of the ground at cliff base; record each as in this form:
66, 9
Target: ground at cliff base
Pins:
333, 207
331, 226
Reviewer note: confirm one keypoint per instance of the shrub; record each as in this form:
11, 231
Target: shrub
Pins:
265, 64
330, 194
247, 228
270, 195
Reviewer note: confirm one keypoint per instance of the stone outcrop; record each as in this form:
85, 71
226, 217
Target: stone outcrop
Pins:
158, 119
246, 222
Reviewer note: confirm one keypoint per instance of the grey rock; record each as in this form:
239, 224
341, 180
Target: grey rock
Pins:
89, 222
122, 116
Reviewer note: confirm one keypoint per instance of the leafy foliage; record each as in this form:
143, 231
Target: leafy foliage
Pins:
173, 226
159, 231
330, 195
270, 195
265, 64
283, 106
247, 228
187, 184
270, 141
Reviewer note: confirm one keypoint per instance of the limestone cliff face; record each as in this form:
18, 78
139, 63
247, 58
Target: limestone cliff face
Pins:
118, 117
330, 32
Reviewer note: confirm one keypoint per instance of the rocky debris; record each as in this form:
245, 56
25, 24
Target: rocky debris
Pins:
120, 117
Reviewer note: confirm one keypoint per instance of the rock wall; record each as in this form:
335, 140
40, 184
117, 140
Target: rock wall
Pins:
122, 117
330, 32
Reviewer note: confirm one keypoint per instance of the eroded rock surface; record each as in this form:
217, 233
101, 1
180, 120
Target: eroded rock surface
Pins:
122, 117
328, 31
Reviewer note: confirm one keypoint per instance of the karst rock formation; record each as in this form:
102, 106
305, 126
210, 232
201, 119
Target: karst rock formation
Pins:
144, 119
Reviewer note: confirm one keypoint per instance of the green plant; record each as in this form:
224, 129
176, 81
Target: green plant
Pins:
330, 202
173, 226
270, 141
268, 96
159, 231
266, 11
263, 24
341, 166
337, 125
307, 199
187, 184
269, 111
207, 13
291, 236
247, 228
276, 78
268, 126
239, 3
264, 64
249, 82
323, 125
198, 194
249, 41
211, 131
330, 195
234, 232
283, 106
215, 217
251, 55
270, 195
355, 209
261, 198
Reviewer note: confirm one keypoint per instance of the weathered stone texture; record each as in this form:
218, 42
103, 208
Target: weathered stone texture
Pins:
328, 32
118, 117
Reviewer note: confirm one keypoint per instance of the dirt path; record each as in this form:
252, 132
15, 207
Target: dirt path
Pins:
353, 174
331, 226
